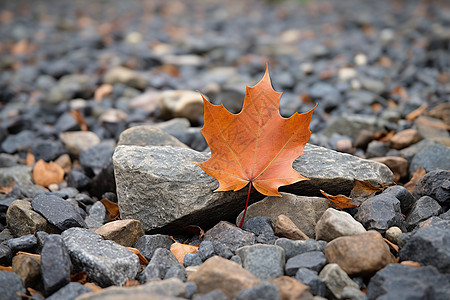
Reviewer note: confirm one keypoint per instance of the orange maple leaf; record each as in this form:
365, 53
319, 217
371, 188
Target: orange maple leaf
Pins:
257, 145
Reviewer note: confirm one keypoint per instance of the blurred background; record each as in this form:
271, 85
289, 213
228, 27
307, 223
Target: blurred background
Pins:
105, 66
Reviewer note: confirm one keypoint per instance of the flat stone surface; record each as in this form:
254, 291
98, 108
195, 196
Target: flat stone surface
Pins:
11, 285
147, 244
106, 262
293, 248
144, 173
57, 211
313, 260
360, 255
55, 264
123, 232
230, 235
435, 184
422, 209
304, 211
334, 223
398, 281
169, 289
431, 158
380, 212
28, 268
148, 135
429, 246
336, 280
23, 243
263, 261
70, 292
23, 220
219, 273
291, 289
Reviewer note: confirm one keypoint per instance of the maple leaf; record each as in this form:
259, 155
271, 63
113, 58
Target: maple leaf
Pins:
257, 145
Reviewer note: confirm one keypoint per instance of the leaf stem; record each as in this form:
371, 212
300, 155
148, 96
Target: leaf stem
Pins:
246, 204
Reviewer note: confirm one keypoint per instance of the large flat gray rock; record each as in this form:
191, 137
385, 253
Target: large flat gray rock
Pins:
160, 187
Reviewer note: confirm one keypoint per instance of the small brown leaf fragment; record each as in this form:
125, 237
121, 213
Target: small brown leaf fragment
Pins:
411, 185
29, 254
410, 263
131, 282
8, 269
362, 190
400, 92
80, 120
33, 291
95, 288
180, 250
112, 209
29, 160
79, 277
103, 91
417, 112
341, 201
45, 174
142, 259
7, 189
393, 247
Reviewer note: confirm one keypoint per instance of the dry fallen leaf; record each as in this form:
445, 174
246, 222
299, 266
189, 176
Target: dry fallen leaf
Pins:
79, 277
8, 269
112, 209
415, 113
180, 250
411, 185
410, 263
142, 259
80, 120
131, 282
30, 160
341, 201
194, 229
103, 91
257, 145
45, 174
95, 288
28, 254
361, 191
393, 247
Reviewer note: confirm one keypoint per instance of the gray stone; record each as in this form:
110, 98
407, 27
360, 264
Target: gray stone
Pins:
96, 216
380, 212
403, 195
180, 193
398, 281
435, 184
412, 150
96, 158
23, 220
5, 255
161, 261
263, 261
168, 289
377, 149
428, 246
55, 264
352, 293
177, 271
351, 125
264, 291
422, 209
174, 124
262, 227
314, 260
304, 211
70, 292
125, 76
18, 142
229, 235
181, 104
222, 250
147, 244
77, 179
78, 141
23, 243
431, 158
293, 248
206, 250
311, 279
11, 285
336, 280
47, 150
148, 135
18, 174
105, 262
191, 289
192, 259
393, 233
334, 223
214, 295
57, 211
